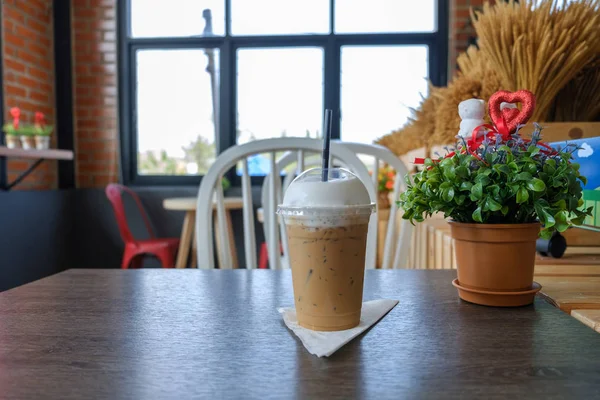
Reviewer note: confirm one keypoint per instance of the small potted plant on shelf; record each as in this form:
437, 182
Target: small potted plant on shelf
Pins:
500, 191
11, 130
42, 132
27, 135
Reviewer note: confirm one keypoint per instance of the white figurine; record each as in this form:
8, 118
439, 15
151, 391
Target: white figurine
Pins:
504, 105
471, 113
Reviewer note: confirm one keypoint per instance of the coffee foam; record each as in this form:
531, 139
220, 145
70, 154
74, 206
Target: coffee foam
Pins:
342, 200
342, 189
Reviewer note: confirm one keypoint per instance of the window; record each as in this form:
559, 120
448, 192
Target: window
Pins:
200, 76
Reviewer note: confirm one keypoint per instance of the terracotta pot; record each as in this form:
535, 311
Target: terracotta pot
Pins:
383, 200
13, 142
495, 258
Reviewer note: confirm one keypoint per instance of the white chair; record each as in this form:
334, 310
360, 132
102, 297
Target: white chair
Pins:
230, 158
396, 247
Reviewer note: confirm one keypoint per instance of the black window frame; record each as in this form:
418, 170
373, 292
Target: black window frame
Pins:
331, 43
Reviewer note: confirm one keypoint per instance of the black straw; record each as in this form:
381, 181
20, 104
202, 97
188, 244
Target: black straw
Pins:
326, 143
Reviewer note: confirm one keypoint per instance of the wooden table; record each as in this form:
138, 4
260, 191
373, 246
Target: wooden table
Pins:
154, 334
188, 204
571, 292
590, 318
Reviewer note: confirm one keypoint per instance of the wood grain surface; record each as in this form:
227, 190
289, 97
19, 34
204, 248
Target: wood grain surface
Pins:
590, 318
571, 292
216, 334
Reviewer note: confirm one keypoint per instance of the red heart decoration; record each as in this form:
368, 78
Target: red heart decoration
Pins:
510, 113
512, 116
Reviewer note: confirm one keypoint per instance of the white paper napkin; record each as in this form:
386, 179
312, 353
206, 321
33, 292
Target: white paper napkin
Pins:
326, 343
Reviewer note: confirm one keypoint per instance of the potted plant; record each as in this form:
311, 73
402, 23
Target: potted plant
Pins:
500, 191
27, 135
385, 185
42, 132
11, 130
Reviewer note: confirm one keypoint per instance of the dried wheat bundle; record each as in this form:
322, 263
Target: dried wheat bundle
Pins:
418, 129
470, 61
539, 46
580, 99
404, 140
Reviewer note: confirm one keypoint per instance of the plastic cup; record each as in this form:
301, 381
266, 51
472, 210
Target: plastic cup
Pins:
327, 248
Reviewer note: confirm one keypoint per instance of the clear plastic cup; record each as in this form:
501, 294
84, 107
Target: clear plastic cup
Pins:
327, 225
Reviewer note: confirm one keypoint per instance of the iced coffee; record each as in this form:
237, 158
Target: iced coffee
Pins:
327, 226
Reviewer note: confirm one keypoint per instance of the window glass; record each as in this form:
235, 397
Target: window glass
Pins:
379, 86
384, 16
175, 18
279, 17
176, 110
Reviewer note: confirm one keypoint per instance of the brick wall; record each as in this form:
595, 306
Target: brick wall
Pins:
95, 92
28, 68
460, 29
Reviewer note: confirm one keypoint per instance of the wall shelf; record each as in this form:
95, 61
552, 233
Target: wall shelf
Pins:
38, 155
50, 154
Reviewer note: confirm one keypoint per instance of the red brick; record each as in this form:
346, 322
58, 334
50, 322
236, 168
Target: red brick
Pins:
14, 65
39, 96
10, 51
44, 40
26, 32
13, 15
38, 73
28, 56
37, 49
38, 26
12, 90
14, 40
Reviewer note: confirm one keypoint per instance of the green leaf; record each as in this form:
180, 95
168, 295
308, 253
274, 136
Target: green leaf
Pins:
522, 195
464, 186
462, 171
561, 204
562, 221
504, 210
513, 166
449, 173
460, 200
429, 162
583, 179
493, 204
477, 215
502, 168
448, 194
514, 188
482, 180
575, 166
531, 168
537, 185
477, 191
533, 150
523, 176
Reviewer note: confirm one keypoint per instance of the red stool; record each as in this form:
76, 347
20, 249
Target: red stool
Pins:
164, 249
